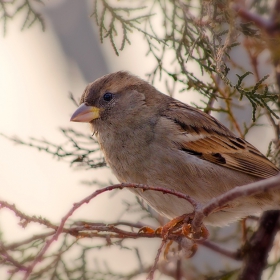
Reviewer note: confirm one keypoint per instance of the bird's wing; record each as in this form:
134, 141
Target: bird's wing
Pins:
204, 137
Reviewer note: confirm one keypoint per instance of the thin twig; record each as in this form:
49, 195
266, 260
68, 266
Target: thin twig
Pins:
232, 255
153, 269
87, 200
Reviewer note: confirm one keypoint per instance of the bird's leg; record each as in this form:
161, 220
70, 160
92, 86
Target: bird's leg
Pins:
173, 226
244, 230
187, 231
166, 250
147, 230
181, 225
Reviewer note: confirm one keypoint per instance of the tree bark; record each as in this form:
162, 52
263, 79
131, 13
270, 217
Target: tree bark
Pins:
259, 246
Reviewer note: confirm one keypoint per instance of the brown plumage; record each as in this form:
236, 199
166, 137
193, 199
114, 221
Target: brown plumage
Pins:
217, 144
150, 138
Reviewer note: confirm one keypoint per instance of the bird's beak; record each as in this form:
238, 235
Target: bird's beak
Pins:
85, 114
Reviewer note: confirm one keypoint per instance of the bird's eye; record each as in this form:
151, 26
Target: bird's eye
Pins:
108, 96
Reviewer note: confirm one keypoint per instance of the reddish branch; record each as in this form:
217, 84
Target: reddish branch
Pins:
237, 192
232, 255
85, 230
25, 219
256, 19
153, 269
200, 212
87, 200
114, 232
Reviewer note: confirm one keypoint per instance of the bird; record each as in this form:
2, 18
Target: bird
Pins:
150, 138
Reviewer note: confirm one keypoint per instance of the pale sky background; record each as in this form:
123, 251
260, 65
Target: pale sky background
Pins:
37, 72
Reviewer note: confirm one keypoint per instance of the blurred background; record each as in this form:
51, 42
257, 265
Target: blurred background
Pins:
38, 70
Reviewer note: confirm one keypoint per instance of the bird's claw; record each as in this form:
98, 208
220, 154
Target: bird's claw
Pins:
188, 232
179, 226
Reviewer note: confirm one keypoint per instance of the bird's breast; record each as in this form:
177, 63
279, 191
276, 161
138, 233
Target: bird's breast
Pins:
127, 152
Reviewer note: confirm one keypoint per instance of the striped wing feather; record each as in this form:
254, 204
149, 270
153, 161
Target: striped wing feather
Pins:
217, 144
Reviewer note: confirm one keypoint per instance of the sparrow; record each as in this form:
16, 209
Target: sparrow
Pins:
150, 138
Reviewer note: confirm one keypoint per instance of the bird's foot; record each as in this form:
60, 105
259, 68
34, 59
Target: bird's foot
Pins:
177, 228
181, 225
149, 230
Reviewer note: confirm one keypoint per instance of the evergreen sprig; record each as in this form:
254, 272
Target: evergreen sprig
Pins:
11, 9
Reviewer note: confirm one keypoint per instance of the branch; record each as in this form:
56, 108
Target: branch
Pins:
258, 20
87, 200
232, 255
237, 192
200, 212
25, 219
259, 246
9, 10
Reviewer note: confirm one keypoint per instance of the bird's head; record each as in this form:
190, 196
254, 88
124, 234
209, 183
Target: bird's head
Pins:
116, 98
